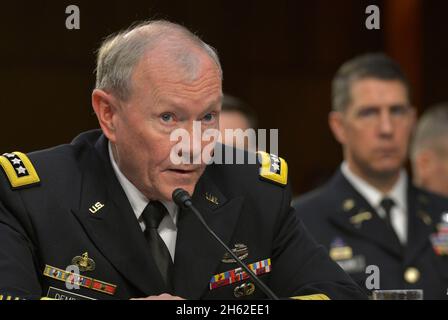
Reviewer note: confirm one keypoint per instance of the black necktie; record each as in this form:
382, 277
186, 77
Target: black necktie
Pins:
387, 204
153, 214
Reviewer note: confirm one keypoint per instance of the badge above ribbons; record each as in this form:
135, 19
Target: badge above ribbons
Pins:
342, 254
240, 250
83, 262
339, 250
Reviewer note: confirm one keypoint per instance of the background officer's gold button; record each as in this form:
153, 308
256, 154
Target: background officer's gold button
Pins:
411, 275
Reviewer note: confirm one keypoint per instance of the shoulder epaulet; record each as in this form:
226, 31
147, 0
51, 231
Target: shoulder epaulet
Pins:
19, 170
8, 297
273, 168
319, 296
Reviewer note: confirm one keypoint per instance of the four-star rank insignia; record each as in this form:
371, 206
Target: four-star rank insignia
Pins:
273, 168
19, 170
83, 262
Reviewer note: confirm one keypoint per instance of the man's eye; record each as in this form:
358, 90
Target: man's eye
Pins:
368, 112
398, 110
167, 117
208, 117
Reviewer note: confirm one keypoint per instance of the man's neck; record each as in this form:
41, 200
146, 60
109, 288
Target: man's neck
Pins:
382, 182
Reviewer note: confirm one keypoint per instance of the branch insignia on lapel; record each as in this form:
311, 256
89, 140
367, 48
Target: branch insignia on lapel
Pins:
348, 204
211, 198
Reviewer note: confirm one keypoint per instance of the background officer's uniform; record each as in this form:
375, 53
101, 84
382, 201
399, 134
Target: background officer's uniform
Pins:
357, 233
78, 213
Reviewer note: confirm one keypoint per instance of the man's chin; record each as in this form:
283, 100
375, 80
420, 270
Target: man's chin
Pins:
168, 193
386, 171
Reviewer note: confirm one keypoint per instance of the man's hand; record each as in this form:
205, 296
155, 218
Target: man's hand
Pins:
163, 296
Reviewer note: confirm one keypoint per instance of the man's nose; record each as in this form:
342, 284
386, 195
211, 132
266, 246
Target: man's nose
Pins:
386, 126
195, 148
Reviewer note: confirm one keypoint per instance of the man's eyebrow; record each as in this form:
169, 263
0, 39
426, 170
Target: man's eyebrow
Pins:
401, 105
168, 105
368, 106
214, 104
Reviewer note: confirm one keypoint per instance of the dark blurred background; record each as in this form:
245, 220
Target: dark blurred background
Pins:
279, 56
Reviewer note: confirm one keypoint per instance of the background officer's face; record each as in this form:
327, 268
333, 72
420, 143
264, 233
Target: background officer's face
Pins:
164, 98
235, 120
375, 127
431, 167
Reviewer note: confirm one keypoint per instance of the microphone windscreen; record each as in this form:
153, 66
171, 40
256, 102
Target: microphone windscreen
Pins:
180, 197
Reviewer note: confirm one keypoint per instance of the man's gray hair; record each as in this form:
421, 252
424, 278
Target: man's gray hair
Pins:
121, 52
431, 130
370, 65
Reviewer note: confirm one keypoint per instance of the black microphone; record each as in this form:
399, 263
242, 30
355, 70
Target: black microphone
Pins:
183, 199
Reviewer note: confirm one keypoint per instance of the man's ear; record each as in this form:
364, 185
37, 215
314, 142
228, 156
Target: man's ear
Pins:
105, 107
336, 123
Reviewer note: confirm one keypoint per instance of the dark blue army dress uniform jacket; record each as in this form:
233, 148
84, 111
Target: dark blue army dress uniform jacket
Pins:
356, 237
64, 207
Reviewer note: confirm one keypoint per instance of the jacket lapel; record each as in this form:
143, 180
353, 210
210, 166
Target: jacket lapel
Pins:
420, 224
355, 215
114, 228
198, 254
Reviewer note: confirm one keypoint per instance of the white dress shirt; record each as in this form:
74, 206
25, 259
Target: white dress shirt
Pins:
167, 228
399, 213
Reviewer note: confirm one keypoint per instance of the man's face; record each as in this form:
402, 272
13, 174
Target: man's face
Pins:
375, 127
234, 120
163, 99
432, 168
439, 179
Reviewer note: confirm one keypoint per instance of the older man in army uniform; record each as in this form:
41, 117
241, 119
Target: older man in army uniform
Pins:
95, 219
369, 213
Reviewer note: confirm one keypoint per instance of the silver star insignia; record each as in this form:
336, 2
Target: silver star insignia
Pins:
21, 170
9, 155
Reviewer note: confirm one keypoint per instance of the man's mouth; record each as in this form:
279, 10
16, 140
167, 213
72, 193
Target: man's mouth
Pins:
183, 171
387, 152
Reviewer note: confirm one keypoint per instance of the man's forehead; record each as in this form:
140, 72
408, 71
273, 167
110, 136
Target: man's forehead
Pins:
177, 54
162, 71
378, 91
378, 87
180, 101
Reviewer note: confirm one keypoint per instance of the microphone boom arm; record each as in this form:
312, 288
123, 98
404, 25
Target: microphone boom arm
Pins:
181, 197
